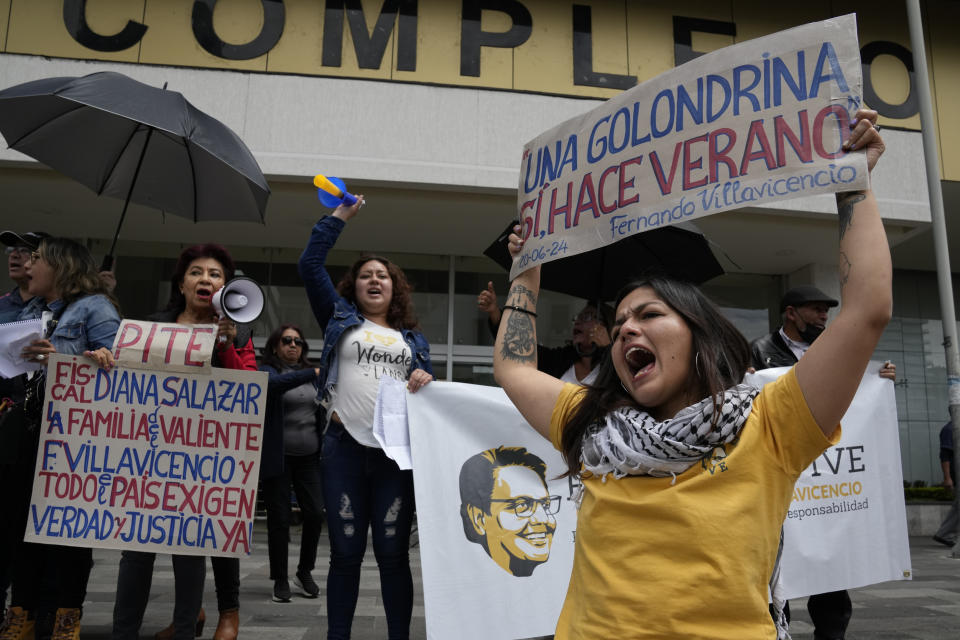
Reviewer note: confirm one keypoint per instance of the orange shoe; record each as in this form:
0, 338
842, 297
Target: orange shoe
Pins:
67, 625
16, 625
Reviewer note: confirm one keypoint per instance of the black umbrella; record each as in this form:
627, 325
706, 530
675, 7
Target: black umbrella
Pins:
599, 274
129, 140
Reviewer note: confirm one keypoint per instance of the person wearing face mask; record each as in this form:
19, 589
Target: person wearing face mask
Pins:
804, 310
578, 360
291, 457
200, 272
370, 331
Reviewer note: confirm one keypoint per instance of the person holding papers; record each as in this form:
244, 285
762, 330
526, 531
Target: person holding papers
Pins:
687, 473
200, 272
80, 317
370, 331
291, 457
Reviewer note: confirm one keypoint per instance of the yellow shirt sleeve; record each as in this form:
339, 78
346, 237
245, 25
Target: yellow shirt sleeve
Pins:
570, 398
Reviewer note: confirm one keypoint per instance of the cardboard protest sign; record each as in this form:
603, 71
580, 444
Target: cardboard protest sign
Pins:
168, 346
847, 524
755, 122
149, 460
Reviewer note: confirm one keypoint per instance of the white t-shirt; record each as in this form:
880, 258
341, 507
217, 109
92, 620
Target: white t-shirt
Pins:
570, 375
365, 354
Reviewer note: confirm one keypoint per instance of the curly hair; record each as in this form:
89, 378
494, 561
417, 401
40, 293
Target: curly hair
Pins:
210, 250
75, 271
270, 348
400, 314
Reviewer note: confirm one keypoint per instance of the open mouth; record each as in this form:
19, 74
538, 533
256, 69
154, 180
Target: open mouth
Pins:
203, 293
639, 360
375, 291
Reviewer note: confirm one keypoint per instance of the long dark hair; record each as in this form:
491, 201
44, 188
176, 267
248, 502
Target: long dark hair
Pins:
75, 271
720, 357
400, 314
270, 348
218, 252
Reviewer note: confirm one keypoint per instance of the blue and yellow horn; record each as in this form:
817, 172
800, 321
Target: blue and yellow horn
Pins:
333, 192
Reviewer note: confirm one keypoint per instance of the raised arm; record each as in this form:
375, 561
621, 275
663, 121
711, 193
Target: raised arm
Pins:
533, 392
830, 371
312, 266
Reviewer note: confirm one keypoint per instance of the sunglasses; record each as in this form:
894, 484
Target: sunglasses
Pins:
288, 340
23, 251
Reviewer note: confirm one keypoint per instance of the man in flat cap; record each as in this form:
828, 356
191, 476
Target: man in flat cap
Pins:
804, 311
19, 246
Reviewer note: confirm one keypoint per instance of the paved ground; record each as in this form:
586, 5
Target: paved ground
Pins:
927, 608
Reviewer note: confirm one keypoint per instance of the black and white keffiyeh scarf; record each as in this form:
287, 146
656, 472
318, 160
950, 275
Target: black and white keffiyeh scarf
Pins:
630, 442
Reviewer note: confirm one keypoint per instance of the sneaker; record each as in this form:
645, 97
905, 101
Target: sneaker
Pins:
943, 541
67, 626
281, 590
16, 626
306, 584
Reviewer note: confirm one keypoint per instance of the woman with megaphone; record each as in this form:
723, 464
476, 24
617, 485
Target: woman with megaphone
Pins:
201, 271
370, 331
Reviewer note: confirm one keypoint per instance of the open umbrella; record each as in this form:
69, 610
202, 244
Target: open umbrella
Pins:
129, 140
599, 274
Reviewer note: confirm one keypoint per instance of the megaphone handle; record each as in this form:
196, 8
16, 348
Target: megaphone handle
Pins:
349, 199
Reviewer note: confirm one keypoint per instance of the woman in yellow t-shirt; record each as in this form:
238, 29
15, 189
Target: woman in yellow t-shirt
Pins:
687, 473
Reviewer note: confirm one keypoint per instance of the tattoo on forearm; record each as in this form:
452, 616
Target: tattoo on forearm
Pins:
844, 268
845, 203
519, 339
521, 296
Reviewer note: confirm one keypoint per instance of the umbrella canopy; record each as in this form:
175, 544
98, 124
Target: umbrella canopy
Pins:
599, 274
129, 140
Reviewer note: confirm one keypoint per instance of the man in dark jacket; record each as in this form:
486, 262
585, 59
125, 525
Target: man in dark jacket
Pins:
804, 311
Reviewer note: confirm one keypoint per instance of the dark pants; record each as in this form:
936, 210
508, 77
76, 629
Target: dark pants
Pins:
303, 473
364, 488
830, 613
29, 564
133, 591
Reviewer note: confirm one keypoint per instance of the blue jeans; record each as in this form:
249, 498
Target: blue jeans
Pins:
364, 488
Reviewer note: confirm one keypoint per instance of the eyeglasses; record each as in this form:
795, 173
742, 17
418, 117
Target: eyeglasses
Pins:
23, 251
524, 507
288, 340
35, 256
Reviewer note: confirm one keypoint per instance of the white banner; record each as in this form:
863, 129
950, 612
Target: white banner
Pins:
516, 589
148, 460
470, 593
755, 122
847, 524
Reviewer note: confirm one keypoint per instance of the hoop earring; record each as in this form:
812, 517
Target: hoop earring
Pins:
624, 387
696, 364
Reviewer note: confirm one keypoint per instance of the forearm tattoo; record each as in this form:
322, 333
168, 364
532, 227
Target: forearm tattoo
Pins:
520, 335
845, 204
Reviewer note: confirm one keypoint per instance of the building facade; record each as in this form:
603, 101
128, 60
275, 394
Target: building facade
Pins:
424, 106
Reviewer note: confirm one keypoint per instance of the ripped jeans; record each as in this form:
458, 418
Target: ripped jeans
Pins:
364, 488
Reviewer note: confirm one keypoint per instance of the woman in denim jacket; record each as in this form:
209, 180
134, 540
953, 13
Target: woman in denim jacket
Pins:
80, 317
370, 331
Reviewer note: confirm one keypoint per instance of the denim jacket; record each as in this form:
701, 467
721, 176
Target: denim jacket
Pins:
85, 325
337, 314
